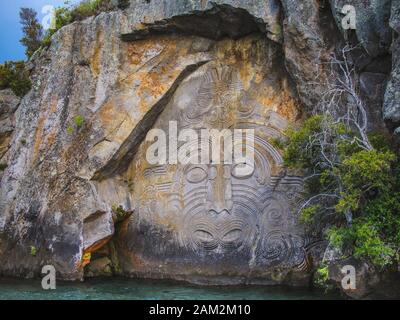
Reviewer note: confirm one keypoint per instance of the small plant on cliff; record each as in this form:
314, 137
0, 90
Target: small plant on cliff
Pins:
70, 130
14, 76
321, 277
3, 166
79, 122
119, 213
352, 177
33, 251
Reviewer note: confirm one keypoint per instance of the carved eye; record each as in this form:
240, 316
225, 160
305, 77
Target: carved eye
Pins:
243, 170
232, 235
204, 236
196, 175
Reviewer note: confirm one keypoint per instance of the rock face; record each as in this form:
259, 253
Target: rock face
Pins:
199, 220
369, 282
391, 108
78, 180
8, 105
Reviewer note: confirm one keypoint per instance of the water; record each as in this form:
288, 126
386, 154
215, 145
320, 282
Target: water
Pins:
124, 289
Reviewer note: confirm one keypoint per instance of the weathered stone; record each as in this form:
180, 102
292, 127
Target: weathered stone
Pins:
372, 23
391, 107
200, 221
8, 105
369, 282
101, 267
78, 151
309, 41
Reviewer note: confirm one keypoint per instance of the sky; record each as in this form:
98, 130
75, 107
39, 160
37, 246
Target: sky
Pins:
10, 28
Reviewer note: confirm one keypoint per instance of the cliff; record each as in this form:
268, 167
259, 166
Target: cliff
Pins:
77, 186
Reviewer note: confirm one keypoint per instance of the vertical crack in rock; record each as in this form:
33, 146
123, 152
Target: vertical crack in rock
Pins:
121, 160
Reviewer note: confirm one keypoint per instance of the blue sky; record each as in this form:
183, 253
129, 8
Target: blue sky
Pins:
10, 29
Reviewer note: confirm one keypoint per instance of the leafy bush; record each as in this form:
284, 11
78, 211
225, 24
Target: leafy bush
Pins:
119, 214
353, 192
14, 76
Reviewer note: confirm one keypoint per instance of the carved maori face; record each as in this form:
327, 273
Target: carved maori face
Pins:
214, 210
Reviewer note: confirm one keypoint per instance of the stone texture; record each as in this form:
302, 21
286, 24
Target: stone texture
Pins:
309, 41
372, 23
101, 267
194, 222
8, 105
391, 107
370, 283
229, 64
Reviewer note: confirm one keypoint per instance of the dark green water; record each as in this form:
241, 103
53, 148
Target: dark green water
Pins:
123, 289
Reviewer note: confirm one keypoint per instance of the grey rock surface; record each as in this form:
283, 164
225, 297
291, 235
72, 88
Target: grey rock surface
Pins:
391, 107
77, 155
8, 105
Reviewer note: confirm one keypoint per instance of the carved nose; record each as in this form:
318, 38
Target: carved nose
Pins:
218, 211
219, 194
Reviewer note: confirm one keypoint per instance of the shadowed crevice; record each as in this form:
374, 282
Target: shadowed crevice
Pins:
221, 21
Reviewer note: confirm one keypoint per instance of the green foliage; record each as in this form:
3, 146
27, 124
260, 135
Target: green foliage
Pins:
3, 166
321, 277
119, 213
70, 130
364, 240
14, 76
62, 17
33, 251
79, 121
32, 30
345, 179
307, 214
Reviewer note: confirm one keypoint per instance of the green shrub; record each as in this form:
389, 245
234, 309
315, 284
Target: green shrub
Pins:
70, 130
355, 190
3, 166
33, 251
79, 121
321, 277
14, 76
119, 213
